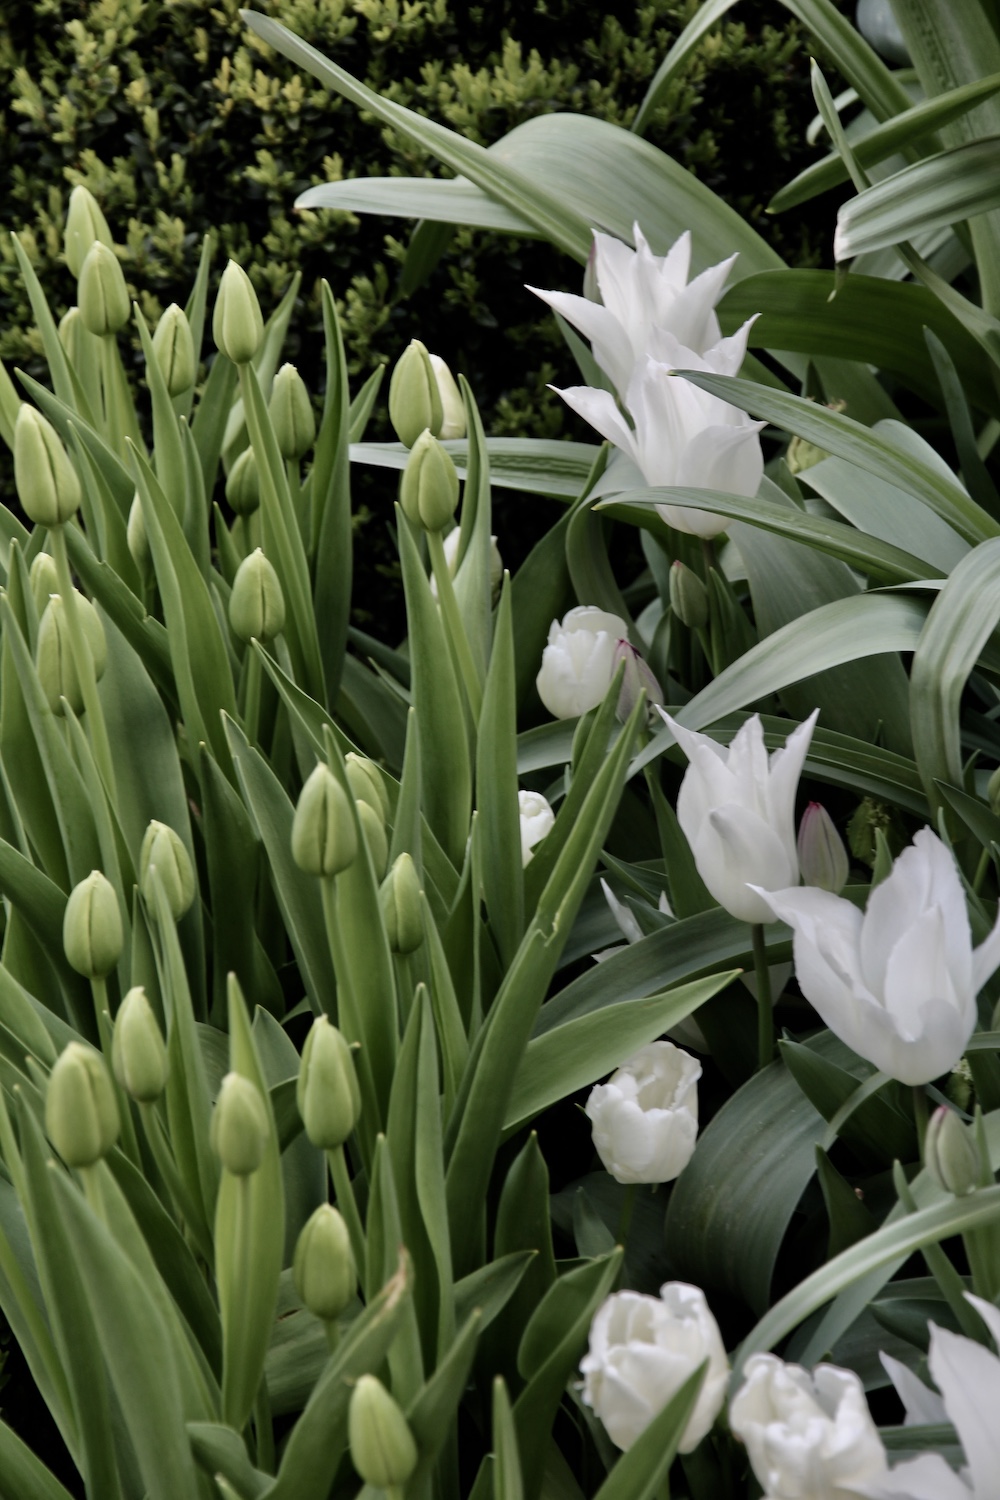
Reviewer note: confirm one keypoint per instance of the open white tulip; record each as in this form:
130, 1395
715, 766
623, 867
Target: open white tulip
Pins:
645, 1118
579, 661
736, 808
809, 1436
897, 983
642, 1349
536, 818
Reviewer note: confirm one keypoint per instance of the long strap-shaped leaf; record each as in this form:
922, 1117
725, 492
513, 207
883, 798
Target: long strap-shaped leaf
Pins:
953, 185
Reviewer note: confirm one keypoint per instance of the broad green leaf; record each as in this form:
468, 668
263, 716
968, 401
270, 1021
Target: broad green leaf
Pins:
828, 1080
432, 1415
220, 1450
953, 185
542, 466
384, 1236
491, 1287
859, 63
330, 506
22, 1474
451, 201
496, 791
507, 1481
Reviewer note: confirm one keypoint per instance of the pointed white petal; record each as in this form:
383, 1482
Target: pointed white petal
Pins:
968, 1377
921, 1403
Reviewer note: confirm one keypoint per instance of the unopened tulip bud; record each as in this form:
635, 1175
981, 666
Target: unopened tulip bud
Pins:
451, 545
240, 1127
291, 414
414, 395
822, 857
243, 484
44, 579
54, 659
382, 1447
324, 837
47, 483
85, 223
428, 491
103, 296
137, 538
138, 1051
638, 678
92, 927
81, 1113
164, 851
325, 1275
802, 455
71, 335
327, 1093
536, 819
375, 838
951, 1154
173, 346
688, 597
256, 604
399, 901
237, 324
452, 405
365, 781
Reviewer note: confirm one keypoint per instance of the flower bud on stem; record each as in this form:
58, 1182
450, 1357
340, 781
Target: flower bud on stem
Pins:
454, 628
951, 1284
84, 664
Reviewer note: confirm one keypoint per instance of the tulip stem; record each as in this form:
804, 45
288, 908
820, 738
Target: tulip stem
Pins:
453, 623
765, 1003
921, 1115
332, 1330
708, 558
628, 1205
348, 1205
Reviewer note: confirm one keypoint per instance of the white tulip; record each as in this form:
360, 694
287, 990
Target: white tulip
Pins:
897, 983
537, 818
809, 1436
642, 1349
579, 661
736, 808
645, 1118
451, 546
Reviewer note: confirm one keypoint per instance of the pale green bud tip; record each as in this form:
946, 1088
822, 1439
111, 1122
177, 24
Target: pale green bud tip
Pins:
81, 1114
137, 537
138, 1051
163, 850
382, 1447
103, 296
54, 659
324, 836
688, 597
92, 927
173, 346
414, 397
47, 483
428, 491
452, 405
44, 580
71, 332
375, 837
291, 413
243, 484
256, 604
327, 1093
951, 1154
240, 1126
365, 780
399, 901
237, 324
325, 1275
802, 455
638, 677
85, 223
823, 859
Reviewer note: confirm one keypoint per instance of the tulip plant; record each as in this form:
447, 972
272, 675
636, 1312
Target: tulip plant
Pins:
356, 996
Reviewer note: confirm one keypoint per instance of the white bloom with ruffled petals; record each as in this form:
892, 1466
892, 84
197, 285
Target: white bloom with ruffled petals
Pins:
536, 818
645, 1118
579, 661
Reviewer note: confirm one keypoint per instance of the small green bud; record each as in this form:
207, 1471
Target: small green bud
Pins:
138, 538
163, 850
951, 1154
688, 597
243, 484
399, 902
822, 857
291, 413
327, 1093
365, 780
104, 301
81, 1113
92, 927
54, 661
47, 484
324, 837
44, 578
428, 491
256, 604
382, 1447
173, 345
802, 455
414, 395
452, 405
323, 1269
138, 1051
85, 223
374, 830
240, 1126
237, 324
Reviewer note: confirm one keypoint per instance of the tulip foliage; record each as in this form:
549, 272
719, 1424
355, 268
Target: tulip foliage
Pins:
551, 1056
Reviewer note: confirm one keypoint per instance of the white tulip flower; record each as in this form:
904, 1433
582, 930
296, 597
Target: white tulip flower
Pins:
642, 1349
537, 818
809, 1436
645, 1118
579, 661
451, 545
736, 808
898, 982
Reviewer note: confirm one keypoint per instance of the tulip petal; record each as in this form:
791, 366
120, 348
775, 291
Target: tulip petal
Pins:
733, 846
892, 909
925, 1478
922, 1405
989, 1314
946, 893
968, 1377
785, 769
986, 957
917, 976
599, 409
728, 459
610, 341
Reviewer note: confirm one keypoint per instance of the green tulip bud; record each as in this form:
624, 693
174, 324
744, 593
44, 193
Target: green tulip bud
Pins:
951, 1154
802, 455
327, 1093
173, 346
452, 405
54, 660
104, 301
382, 1447
237, 324
44, 578
325, 1275
240, 1126
324, 837
81, 1113
47, 484
138, 538
822, 857
138, 1051
92, 927
85, 223
688, 597
71, 335
414, 395
428, 491
243, 484
291, 413
378, 844
365, 780
256, 604
163, 850
399, 902
638, 677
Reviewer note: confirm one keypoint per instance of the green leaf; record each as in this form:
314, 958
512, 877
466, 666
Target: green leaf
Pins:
330, 506
24, 1476
433, 1413
943, 189
848, 1217
496, 791
828, 1079
640, 1473
860, 64
682, 50
220, 1450
507, 1482
451, 201
543, 466
491, 1287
